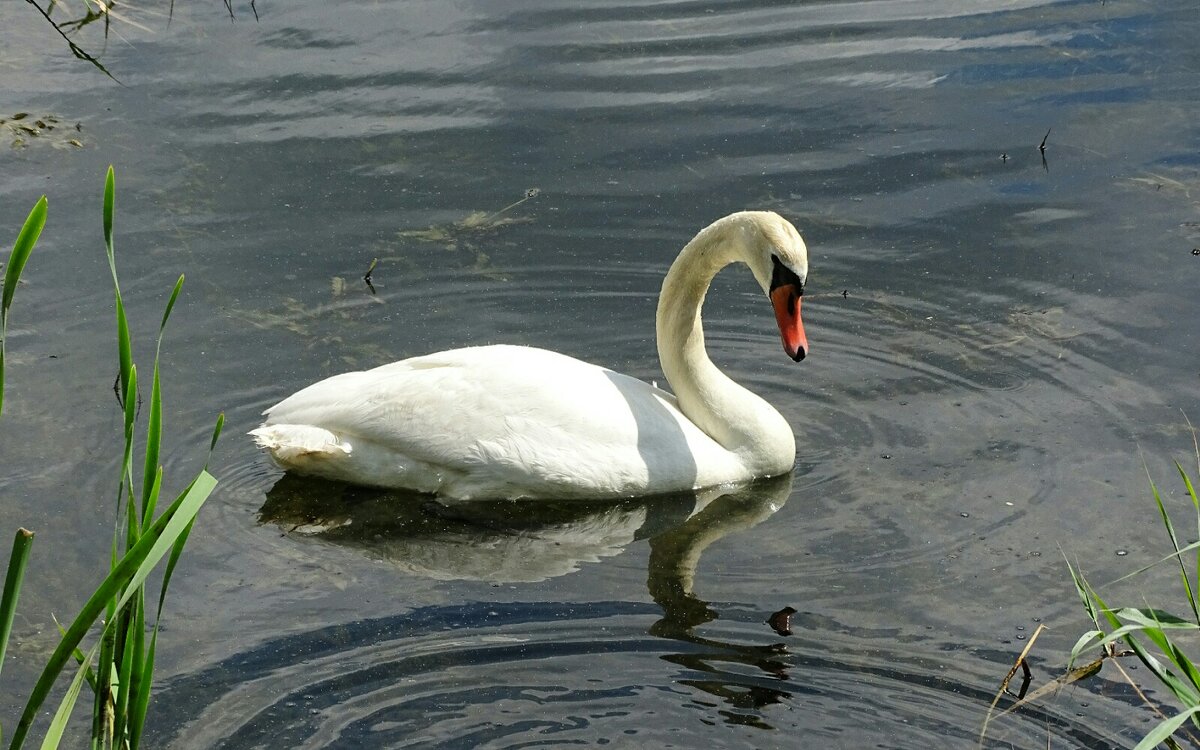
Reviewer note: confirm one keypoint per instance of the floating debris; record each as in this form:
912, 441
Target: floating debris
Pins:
24, 130
781, 621
460, 236
367, 275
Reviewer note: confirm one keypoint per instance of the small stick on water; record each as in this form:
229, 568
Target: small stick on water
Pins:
530, 193
1018, 664
1042, 147
367, 275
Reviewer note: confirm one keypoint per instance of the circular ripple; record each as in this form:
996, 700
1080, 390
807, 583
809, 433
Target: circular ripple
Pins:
516, 674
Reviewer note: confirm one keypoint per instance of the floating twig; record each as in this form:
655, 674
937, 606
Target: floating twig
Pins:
1018, 664
530, 193
367, 275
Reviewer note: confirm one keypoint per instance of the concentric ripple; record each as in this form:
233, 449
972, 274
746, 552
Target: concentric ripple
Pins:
493, 675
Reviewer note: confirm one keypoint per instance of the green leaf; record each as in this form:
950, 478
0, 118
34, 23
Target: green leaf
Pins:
216, 432
1165, 729
124, 346
1155, 618
109, 200
59, 723
17, 562
1187, 583
1084, 643
27, 238
130, 573
170, 306
150, 466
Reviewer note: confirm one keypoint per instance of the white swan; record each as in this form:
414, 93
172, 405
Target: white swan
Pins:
515, 421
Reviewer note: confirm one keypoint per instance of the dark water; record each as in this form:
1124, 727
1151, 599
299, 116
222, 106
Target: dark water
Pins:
999, 337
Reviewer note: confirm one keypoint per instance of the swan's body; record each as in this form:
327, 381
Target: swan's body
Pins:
514, 421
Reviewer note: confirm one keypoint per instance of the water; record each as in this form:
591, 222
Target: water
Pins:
997, 341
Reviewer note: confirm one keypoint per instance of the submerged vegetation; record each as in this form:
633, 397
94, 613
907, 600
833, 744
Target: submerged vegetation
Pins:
119, 666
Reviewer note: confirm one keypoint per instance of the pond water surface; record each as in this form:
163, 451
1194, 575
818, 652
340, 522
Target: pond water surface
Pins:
1000, 336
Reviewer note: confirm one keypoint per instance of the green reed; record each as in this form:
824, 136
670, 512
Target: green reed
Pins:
12, 275
1152, 634
119, 666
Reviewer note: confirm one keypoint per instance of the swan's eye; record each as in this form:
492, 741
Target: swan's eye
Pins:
781, 275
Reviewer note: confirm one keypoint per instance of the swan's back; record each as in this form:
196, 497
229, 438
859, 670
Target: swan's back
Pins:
495, 421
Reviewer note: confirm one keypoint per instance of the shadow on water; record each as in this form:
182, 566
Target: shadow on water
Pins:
510, 673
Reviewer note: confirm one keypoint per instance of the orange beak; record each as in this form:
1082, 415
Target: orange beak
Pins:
786, 301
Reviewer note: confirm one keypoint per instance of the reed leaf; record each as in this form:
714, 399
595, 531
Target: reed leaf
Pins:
132, 521
1160, 733
154, 423
124, 345
79, 655
129, 574
58, 724
216, 434
17, 562
1183, 572
26, 239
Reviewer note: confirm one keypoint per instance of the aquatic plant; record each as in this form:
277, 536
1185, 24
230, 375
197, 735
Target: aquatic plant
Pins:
27, 238
1151, 634
119, 666
87, 12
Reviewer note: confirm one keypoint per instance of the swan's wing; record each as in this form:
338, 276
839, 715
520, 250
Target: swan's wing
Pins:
503, 416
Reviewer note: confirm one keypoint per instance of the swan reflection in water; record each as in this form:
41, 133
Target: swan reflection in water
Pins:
514, 541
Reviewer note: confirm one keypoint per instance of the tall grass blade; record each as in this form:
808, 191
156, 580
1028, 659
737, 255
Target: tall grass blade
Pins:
124, 347
1082, 588
154, 423
109, 204
1183, 572
26, 239
216, 433
1090, 639
150, 465
128, 575
1164, 730
79, 655
132, 523
58, 724
170, 306
17, 561
127, 636
140, 701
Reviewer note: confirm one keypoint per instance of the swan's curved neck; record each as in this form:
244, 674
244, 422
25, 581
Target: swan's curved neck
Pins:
740, 421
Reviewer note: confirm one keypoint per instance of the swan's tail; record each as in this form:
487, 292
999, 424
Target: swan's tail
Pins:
298, 445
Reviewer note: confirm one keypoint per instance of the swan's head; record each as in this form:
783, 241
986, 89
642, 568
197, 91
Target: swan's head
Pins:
777, 256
